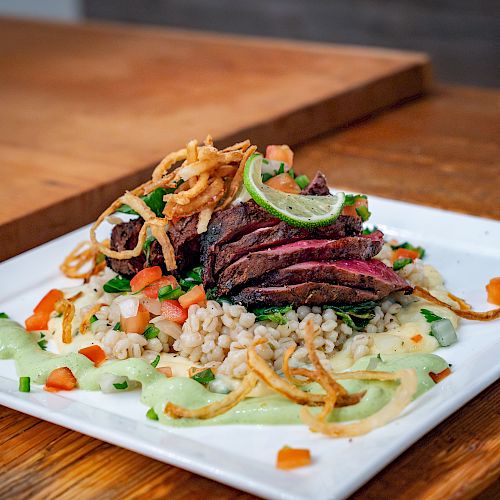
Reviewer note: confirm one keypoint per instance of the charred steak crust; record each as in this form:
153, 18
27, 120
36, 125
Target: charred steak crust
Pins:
229, 225
313, 294
280, 234
318, 186
184, 238
370, 274
257, 264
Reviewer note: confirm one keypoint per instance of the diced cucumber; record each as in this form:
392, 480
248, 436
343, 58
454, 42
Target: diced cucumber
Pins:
444, 332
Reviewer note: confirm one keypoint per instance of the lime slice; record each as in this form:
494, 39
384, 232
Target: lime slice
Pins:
296, 209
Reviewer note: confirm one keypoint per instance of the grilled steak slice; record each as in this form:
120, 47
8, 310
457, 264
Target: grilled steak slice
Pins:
229, 225
364, 274
183, 235
318, 186
280, 234
254, 265
314, 294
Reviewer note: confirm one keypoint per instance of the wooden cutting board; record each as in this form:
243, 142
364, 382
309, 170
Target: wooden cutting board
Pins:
87, 109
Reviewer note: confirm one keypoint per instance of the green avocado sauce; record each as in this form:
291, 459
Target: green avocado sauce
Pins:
157, 390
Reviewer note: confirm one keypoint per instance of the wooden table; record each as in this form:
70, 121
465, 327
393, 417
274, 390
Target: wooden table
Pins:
440, 150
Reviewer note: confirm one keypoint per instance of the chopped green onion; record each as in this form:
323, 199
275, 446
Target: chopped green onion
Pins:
363, 212
169, 293
4, 315
429, 315
400, 263
409, 246
151, 332
155, 361
93, 319
117, 285
151, 414
204, 377
444, 332
117, 327
24, 384
121, 385
302, 181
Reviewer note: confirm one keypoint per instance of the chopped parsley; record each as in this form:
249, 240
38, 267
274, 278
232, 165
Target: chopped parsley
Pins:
117, 284
429, 316
274, 314
121, 385
191, 279
151, 414
204, 377
357, 316
400, 263
93, 319
146, 248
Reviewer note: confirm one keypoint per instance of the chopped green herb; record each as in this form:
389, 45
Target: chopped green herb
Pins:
204, 377
93, 319
169, 293
155, 361
367, 230
146, 248
363, 212
192, 278
151, 332
151, 414
119, 284
24, 384
266, 177
117, 327
429, 315
400, 263
212, 295
409, 246
4, 315
356, 316
121, 385
153, 200
274, 314
291, 173
280, 170
303, 181
42, 344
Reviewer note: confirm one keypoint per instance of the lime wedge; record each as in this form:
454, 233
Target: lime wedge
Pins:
296, 209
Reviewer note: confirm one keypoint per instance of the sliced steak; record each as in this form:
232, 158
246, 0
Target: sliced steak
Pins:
183, 235
254, 265
229, 225
313, 294
318, 186
280, 234
365, 274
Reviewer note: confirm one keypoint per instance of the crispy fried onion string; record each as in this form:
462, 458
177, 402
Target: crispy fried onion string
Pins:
218, 407
464, 306
84, 325
83, 254
463, 313
67, 309
204, 220
261, 368
402, 397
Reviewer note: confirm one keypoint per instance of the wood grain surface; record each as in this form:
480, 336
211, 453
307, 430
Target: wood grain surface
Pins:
86, 110
442, 150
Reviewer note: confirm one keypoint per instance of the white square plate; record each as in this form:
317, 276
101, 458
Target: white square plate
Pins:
467, 252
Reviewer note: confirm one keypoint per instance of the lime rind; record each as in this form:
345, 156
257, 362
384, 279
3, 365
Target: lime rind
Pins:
295, 209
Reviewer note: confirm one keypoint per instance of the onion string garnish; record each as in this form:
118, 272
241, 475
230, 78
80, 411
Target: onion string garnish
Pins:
24, 384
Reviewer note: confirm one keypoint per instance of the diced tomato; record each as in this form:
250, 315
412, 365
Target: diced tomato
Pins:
437, 377
145, 277
280, 153
41, 314
196, 295
284, 183
350, 210
493, 289
417, 338
137, 323
166, 370
403, 253
95, 353
172, 310
151, 291
60, 379
291, 458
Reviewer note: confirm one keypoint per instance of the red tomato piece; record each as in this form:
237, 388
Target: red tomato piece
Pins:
95, 353
350, 210
403, 253
60, 379
145, 277
280, 153
172, 310
196, 295
493, 289
137, 323
39, 320
151, 291
36, 322
284, 183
